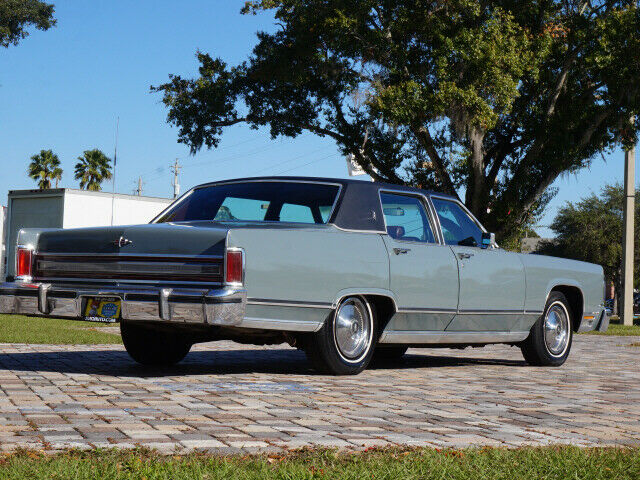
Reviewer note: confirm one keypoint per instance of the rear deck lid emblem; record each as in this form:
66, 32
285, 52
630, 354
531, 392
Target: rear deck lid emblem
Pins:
122, 242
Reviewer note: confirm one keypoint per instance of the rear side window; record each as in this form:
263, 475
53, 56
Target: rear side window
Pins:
458, 227
405, 218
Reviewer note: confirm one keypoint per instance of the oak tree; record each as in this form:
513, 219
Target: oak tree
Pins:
16, 16
490, 101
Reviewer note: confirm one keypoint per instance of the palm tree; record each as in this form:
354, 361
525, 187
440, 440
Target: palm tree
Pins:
44, 167
93, 168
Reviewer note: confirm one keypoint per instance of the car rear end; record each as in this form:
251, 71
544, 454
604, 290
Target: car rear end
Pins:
155, 273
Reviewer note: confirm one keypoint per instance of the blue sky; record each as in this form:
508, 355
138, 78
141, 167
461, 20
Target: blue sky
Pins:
63, 89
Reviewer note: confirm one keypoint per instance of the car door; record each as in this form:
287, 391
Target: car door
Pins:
492, 280
423, 272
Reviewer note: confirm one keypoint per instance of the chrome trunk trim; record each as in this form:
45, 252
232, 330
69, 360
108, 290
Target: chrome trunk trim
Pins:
55, 268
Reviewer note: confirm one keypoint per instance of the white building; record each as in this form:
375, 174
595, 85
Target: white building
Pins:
71, 208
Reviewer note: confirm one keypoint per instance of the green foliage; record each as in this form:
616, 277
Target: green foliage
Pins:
16, 16
21, 329
591, 230
549, 463
44, 167
493, 99
93, 168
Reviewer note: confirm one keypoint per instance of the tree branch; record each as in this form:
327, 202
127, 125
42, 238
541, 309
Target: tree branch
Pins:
423, 136
562, 81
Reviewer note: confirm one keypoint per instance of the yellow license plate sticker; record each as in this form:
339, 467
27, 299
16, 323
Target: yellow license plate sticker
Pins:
102, 309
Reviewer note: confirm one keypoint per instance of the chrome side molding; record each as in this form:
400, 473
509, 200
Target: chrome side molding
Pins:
445, 337
281, 324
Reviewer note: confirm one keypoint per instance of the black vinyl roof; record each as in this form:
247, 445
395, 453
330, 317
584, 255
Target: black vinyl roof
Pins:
358, 207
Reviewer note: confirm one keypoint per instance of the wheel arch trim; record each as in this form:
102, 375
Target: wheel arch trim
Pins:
364, 292
569, 288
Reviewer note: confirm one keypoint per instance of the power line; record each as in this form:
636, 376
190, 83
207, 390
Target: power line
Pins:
115, 164
159, 170
289, 160
218, 161
232, 157
308, 163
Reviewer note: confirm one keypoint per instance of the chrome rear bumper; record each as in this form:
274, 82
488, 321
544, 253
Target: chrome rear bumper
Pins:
224, 306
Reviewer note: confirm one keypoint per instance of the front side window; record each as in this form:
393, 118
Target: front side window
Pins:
458, 227
256, 202
406, 218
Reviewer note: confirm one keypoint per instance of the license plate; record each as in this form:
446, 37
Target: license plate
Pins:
102, 309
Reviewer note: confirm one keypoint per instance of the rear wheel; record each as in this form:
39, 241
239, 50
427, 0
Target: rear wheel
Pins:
152, 347
345, 344
550, 339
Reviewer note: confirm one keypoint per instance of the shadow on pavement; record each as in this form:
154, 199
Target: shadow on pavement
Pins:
212, 362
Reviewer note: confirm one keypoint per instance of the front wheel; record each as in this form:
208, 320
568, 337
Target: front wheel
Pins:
345, 344
153, 347
550, 339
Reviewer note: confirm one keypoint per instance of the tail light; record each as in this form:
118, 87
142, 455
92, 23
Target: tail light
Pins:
24, 260
234, 266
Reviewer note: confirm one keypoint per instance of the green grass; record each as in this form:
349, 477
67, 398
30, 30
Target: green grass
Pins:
616, 328
21, 329
548, 463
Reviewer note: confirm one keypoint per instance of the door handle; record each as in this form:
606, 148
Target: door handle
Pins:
399, 251
465, 255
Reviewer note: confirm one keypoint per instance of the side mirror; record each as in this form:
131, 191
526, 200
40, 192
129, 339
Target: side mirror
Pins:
489, 240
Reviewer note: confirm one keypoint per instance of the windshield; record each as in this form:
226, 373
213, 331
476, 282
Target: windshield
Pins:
257, 202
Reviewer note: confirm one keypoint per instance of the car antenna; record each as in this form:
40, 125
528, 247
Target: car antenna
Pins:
115, 161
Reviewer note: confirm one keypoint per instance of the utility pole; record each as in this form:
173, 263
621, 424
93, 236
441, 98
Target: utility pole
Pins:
175, 168
627, 241
138, 191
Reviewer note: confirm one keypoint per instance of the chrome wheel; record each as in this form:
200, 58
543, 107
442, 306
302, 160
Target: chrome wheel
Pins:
352, 329
556, 329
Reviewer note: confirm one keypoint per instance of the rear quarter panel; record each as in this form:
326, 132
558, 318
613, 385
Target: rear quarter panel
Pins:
310, 265
543, 273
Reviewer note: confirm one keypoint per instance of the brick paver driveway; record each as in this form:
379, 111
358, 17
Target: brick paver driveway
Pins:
226, 397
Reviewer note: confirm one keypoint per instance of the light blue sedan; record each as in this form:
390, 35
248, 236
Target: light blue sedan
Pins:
346, 270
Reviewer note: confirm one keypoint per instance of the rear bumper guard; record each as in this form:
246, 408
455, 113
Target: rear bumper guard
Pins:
603, 322
224, 306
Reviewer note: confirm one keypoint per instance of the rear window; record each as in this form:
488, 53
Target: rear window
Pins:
256, 202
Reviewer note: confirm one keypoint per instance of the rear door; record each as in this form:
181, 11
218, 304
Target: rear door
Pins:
492, 281
423, 273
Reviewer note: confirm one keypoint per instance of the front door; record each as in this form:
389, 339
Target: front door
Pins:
423, 273
492, 281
